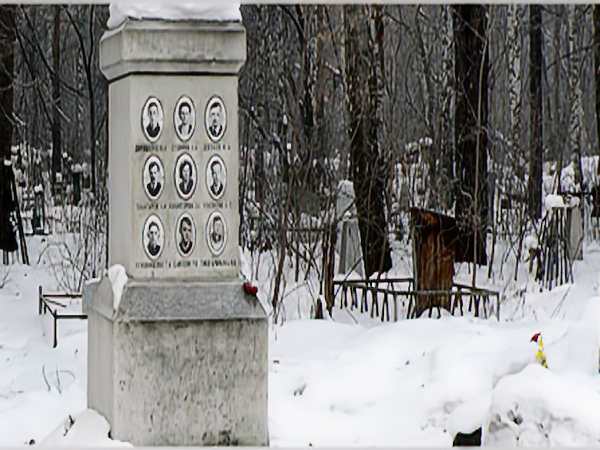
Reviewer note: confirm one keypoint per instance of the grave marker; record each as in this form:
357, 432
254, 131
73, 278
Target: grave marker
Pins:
178, 354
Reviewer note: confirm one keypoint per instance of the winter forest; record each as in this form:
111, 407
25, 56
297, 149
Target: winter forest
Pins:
419, 197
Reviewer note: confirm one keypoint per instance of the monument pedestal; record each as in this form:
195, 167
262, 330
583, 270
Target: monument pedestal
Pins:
178, 364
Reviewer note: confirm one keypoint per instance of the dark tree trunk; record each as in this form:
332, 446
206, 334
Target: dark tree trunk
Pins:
7, 37
364, 40
8, 238
471, 111
561, 118
56, 136
597, 70
536, 149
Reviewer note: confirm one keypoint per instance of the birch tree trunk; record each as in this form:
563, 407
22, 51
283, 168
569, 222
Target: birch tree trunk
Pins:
514, 15
561, 116
575, 94
447, 98
56, 100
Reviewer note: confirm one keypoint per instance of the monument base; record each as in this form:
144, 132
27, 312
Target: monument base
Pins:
178, 363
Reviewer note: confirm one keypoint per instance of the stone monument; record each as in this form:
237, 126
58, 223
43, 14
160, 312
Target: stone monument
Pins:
177, 352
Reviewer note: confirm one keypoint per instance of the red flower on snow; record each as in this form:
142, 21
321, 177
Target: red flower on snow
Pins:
250, 289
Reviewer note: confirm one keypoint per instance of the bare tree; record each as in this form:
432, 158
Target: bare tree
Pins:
8, 241
575, 93
536, 147
364, 61
445, 130
88, 48
56, 98
596, 43
514, 16
471, 74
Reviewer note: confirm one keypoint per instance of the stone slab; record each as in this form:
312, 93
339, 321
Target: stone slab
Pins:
159, 46
160, 301
178, 374
191, 383
348, 240
131, 207
155, 68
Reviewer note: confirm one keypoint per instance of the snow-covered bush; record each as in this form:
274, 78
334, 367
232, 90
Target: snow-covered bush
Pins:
77, 256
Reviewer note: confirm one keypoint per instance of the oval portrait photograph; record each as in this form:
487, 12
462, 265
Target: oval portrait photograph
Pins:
216, 233
153, 177
216, 177
153, 237
184, 118
185, 176
152, 119
215, 118
185, 234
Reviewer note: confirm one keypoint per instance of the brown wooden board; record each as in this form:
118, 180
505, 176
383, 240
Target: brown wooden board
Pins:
435, 238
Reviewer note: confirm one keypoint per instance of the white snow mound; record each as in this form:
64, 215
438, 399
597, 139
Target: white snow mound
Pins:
537, 407
469, 416
118, 280
213, 10
554, 201
88, 429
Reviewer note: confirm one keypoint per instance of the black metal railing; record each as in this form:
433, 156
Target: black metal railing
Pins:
50, 302
480, 300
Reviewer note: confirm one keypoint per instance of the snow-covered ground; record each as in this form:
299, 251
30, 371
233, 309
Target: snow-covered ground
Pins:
350, 380
39, 386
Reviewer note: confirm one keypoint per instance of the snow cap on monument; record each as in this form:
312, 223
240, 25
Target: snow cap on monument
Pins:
209, 10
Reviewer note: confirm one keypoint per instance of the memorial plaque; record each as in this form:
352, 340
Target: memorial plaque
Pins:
152, 119
153, 177
184, 118
216, 177
185, 236
215, 118
183, 168
216, 233
185, 176
153, 237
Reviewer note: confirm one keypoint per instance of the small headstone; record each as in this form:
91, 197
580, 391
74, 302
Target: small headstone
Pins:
349, 243
575, 228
